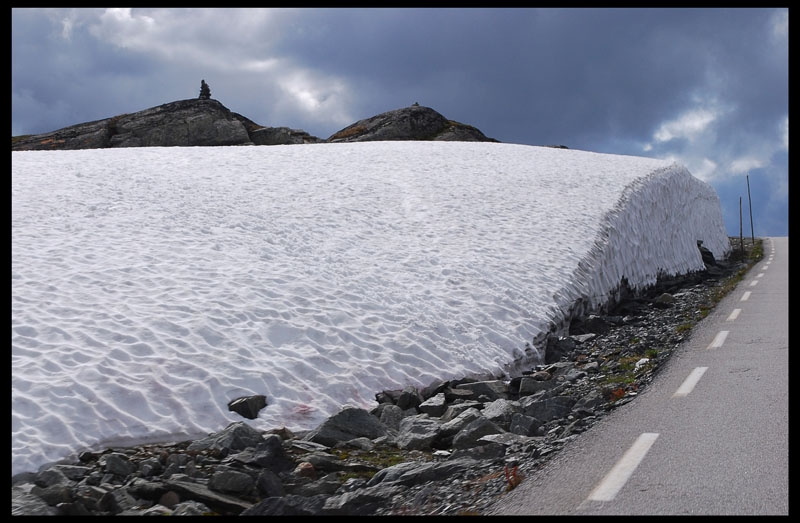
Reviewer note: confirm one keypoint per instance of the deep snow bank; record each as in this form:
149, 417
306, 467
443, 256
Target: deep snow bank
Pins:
652, 230
151, 286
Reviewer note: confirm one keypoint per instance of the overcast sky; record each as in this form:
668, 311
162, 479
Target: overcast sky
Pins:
708, 88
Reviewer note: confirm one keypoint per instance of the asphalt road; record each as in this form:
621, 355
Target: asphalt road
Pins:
709, 436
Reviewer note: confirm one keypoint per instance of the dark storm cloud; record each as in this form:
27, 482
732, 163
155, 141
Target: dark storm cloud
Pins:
563, 75
70, 82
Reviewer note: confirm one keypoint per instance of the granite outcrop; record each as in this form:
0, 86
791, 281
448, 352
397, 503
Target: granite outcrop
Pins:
409, 123
193, 122
206, 122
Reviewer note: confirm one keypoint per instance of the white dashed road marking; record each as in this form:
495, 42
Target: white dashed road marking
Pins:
688, 384
618, 476
745, 296
734, 314
719, 339
753, 283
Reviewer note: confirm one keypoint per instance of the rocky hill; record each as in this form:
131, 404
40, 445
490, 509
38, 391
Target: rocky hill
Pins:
409, 123
206, 122
192, 122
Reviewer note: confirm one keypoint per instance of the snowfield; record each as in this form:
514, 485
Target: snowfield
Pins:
151, 286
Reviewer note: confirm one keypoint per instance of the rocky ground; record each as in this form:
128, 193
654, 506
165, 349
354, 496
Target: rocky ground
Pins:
640, 335
452, 449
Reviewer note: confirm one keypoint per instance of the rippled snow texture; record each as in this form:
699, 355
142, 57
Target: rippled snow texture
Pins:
151, 286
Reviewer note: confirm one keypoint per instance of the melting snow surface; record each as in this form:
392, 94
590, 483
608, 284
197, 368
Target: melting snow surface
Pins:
150, 286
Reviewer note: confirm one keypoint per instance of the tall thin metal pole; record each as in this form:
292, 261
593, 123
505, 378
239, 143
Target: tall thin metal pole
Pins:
750, 205
741, 238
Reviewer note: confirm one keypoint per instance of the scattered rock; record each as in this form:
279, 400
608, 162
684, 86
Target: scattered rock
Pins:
708, 256
248, 406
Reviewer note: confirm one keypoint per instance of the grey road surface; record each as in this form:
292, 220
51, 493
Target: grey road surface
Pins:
710, 434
